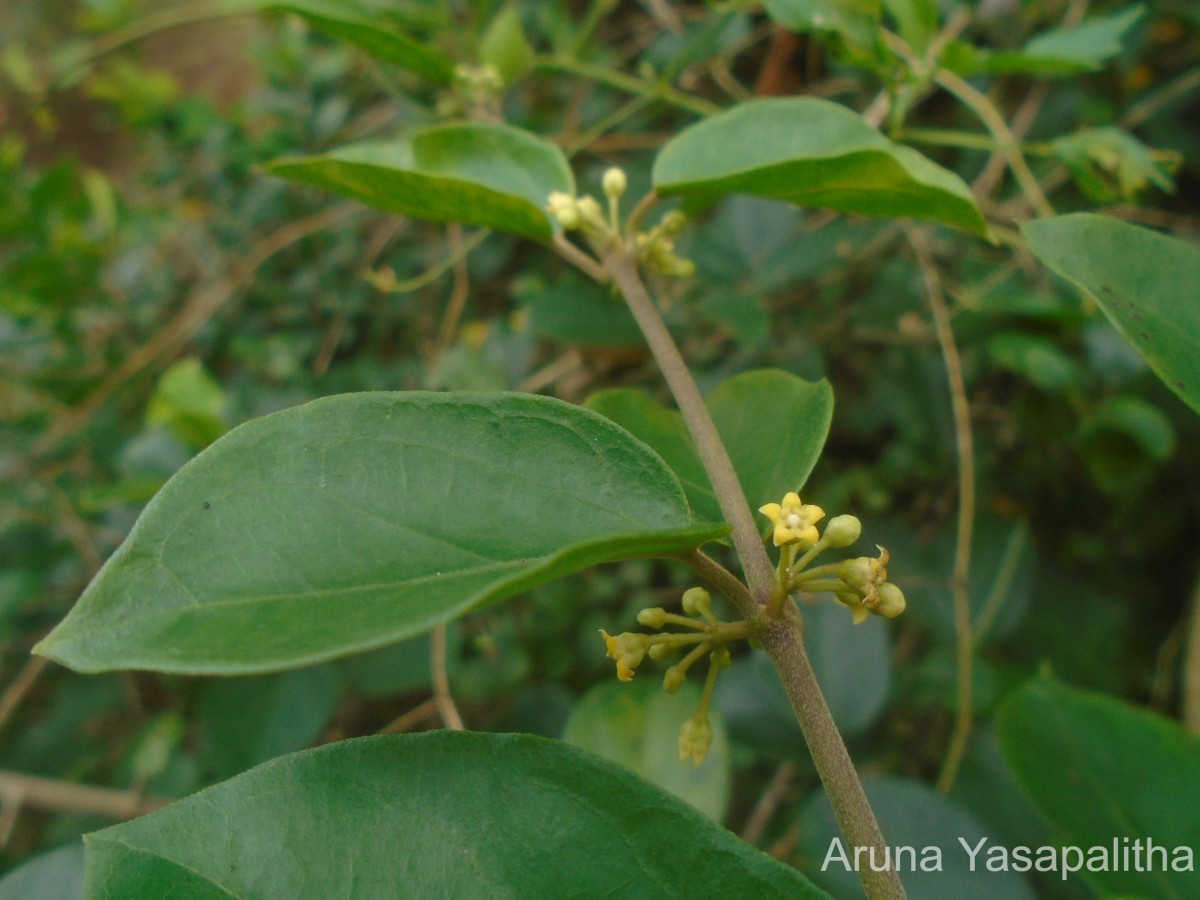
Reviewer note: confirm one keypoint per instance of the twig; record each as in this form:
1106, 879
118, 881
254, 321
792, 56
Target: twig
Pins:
579, 259
964, 443
630, 84
991, 118
1191, 669
20, 687
458, 297
441, 680
412, 718
746, 538
764, 809
66, 796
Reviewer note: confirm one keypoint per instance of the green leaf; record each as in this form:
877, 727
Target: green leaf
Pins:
916, 20
772, 454
1038, 359
488, 175
402, 816
813, 153
505, 46
1146, 283
911, 814
1102, 772
1085, 46
355, 521
1111, 165
637, 725
246, 721
361, 26
856, 22
189, 403
57, 875
576, 311
1061, 51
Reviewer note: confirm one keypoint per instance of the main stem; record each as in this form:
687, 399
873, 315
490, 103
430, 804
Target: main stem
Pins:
781, 638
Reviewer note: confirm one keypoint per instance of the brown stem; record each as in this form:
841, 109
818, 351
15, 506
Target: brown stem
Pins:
622, 269
784, 644
782, 639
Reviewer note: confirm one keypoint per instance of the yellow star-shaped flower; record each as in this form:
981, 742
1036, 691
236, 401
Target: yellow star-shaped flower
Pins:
794, 521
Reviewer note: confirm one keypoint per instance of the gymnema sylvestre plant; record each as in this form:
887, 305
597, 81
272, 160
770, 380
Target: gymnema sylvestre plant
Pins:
359, 520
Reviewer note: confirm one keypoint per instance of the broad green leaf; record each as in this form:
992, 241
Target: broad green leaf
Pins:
637, 725
505, 46
358, 24
246, 721
911, 814
1062, 51
773, 425
1148, 285
488, 175
813, 153
435, 815
358, 520
1104, 772
57, 875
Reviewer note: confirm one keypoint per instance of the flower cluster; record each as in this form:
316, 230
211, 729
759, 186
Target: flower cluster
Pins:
654, 249
860, 584
706, 636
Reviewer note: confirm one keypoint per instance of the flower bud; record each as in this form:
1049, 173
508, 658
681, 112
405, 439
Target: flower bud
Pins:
697, 602
673, 680
654, 617
661, 652
695, 737
565, 209
673, 222
842, 531
721, 658
891, 601
590, 214
615, 182
853, 602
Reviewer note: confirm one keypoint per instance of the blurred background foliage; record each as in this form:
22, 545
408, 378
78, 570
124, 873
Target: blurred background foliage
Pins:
158, 288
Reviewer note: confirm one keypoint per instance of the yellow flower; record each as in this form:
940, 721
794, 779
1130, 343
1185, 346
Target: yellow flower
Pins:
794, 521
627, 649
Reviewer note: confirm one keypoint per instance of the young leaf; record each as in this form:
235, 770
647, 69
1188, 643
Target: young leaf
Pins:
772, 453
358, 520
401, 816
1144, 281
813, 153
350, 21
1062, 51
505, 46
488, 175
1105, 772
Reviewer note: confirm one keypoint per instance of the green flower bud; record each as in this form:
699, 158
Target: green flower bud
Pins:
615, 182
697, 602
891, 601
654, 617
695, 737
721, 658
842, 531
673, 680
661, 652
673, 222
